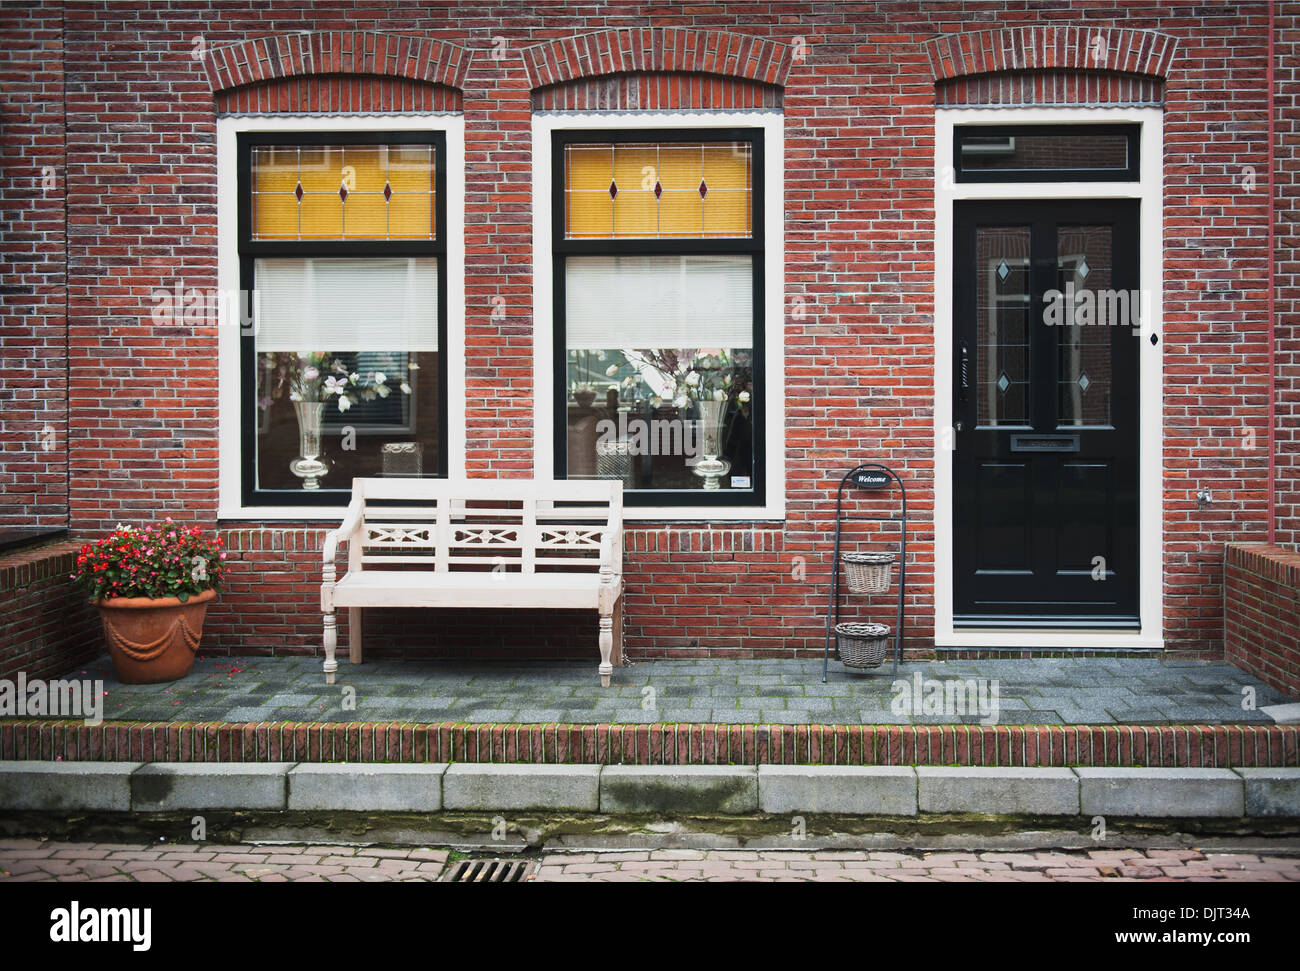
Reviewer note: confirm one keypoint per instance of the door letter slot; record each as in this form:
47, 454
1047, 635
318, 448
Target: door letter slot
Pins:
1044, 443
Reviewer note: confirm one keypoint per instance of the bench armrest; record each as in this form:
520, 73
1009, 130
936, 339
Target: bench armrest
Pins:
344, 534
611, 555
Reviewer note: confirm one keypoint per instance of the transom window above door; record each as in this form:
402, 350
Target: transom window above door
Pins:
343, 263
1046, 153
658, 307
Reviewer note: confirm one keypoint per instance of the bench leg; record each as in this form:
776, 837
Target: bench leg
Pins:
331, 644
618, 634
354, 635
606, 648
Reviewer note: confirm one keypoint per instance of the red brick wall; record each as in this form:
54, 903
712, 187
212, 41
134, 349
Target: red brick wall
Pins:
1262, 613
46, 625
33, 294
858, 87
1287, 264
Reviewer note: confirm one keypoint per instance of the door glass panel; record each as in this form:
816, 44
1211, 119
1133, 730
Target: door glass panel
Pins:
1001, 376
1092, 308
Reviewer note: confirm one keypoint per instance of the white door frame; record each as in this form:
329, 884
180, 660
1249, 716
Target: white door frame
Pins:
1149, 190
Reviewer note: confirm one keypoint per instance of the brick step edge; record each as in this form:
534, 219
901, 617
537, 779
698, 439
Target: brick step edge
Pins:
1168, 746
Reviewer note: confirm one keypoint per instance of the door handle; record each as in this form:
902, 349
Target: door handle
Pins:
963, 372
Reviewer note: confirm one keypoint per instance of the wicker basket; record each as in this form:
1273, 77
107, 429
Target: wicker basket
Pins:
862, 645
867, 572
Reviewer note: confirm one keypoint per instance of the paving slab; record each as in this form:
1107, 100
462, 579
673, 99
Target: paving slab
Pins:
165, 786
496, 786
1161, 792
726, 789
66, 786
365, 786
874, 790
1094, 690
1271, 791
991, 790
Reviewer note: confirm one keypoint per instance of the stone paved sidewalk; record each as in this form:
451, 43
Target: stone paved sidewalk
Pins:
1052, 691
37, 860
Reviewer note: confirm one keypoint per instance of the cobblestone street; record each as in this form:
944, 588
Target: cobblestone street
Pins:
37, 860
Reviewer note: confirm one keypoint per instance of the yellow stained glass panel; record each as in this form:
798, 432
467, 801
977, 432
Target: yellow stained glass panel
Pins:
275, 169
410, 168
389, 192
275, 214
320, 168
590, 169
681, 213
687, 175
726, 166
726, 213
410, 217
365, 214
681, 167
590, 214
321, 216
368, 167
636, 214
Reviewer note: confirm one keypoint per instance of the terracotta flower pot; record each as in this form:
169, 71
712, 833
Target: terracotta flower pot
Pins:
153, 640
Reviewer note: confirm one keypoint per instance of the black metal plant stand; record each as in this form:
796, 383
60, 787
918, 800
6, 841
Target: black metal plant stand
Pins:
873, 477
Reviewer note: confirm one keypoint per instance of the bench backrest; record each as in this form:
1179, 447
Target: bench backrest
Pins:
503, 525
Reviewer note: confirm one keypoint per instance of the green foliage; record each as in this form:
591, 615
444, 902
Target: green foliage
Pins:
161, 560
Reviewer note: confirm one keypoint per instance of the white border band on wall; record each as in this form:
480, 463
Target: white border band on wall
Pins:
772, 124
1150, 193
230, 499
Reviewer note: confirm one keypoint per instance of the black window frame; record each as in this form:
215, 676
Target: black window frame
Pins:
251, 249
753, 246
1131, 173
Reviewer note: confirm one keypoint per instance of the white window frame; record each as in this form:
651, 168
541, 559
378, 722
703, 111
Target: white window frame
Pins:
1149, 190
773, 127
230, 496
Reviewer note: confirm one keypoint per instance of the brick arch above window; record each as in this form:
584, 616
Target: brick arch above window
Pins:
338, 94
263, 60
1013, 89
661, 91
1121, 50
656, 50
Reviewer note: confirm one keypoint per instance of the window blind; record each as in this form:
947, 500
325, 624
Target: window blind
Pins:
335, 304
658, 301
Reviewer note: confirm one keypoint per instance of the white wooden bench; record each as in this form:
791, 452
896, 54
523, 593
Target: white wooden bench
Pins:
478, 543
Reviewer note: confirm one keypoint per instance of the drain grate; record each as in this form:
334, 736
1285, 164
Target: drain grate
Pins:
490, 871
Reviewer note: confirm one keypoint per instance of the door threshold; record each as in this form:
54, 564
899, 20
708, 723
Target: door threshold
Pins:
1020, 639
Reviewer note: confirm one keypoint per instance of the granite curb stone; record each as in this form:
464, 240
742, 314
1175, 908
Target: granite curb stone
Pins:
994, 790
496, 786
1122, 791
1271, 791
163, 786
885, 790
365, 786
76, 786
726, 789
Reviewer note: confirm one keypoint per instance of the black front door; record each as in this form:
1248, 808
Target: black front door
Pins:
1045, 466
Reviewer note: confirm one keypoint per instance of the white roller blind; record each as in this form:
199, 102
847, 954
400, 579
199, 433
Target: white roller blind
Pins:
658, 301
381, 304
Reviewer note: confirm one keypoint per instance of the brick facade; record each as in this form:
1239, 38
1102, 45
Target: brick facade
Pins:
858, 87
46, 626
1168, 746
1261, 614
33, 290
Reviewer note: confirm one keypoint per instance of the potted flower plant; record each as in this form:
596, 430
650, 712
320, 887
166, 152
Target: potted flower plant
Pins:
152, 587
